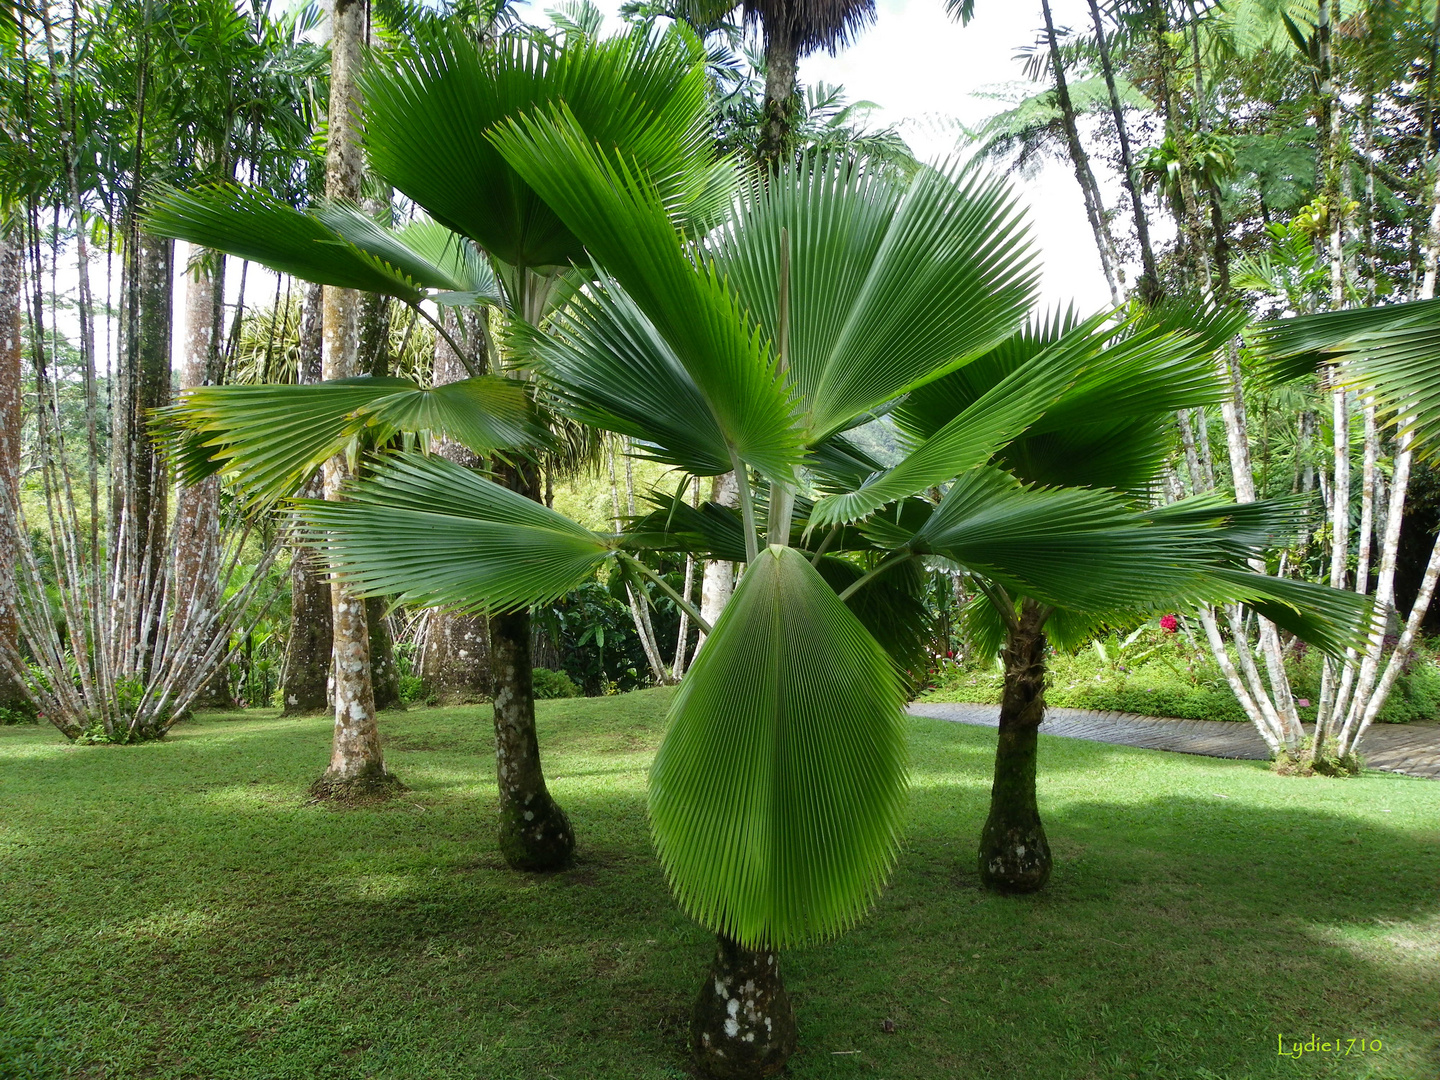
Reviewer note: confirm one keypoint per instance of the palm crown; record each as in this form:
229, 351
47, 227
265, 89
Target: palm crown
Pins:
746, 332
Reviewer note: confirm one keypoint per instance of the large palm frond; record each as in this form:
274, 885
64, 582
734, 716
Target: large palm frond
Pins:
332, 244
1392, 351
432, 533
271, 437
624, 223
890, 283
1090, 551
777, 797
429, 109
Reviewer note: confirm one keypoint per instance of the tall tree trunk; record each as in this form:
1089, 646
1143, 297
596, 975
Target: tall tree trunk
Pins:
1094, 204
742, 1025
356, 761
308, 650
1014, 854
535, 834
196, 585
150, 383
455, 663
12, 348
1149, 288
781, 64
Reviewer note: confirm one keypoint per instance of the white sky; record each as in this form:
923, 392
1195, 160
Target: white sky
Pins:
923, 71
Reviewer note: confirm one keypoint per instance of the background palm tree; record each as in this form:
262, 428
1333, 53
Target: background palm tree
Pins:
648, 97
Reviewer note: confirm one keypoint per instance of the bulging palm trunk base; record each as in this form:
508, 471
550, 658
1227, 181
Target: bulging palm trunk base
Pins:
1014, 854
743, 1025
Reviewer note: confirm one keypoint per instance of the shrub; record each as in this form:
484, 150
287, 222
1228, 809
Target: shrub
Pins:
554, 684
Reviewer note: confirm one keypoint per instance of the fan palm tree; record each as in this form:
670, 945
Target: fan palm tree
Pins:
825, 294
791, 29
1104, 444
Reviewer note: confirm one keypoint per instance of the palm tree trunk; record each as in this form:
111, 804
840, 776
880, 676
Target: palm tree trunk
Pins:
1094, 204
1014, 854
196, 587
12, 347
781, 64
535, 834
356, 761
1149, 288
142, 503
308, 649
742, 1025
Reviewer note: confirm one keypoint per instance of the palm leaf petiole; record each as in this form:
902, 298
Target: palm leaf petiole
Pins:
459, 351
865, 579
685, 605
999, 600
747, 506
830, 538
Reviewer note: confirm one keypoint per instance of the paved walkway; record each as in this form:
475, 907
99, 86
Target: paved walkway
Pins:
1412, 749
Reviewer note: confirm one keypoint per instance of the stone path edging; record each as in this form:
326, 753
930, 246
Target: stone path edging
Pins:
1413, 750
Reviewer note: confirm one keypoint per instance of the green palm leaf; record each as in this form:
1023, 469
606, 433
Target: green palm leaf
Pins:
777, 797
1112, 427
431, 533
1088, 551
891, 283
647, 97
336, 245
891, 606
972, 438
624, 223
272, 437
1391, 351
608, 366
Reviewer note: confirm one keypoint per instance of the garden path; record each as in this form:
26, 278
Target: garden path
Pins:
1411, 749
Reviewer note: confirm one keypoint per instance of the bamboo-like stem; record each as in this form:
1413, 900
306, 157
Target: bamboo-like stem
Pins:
669, 591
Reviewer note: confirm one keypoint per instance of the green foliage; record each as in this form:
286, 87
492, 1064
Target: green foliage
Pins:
1154, 673
21, 711
777, 796
554, 684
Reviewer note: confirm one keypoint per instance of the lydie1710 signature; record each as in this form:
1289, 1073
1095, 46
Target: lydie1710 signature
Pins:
1294, 1048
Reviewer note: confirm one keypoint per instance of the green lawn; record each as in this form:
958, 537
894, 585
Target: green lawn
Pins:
179, 910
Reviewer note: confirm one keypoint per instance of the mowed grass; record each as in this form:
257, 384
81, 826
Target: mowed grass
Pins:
181, 910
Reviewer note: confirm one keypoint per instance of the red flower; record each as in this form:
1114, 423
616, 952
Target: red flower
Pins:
1169, 623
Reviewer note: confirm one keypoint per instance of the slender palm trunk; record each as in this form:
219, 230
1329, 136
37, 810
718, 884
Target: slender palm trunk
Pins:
1094, 204
308, 649
12, 347
743, 1025
196, 587
1014, 854
356, 760
535, 834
